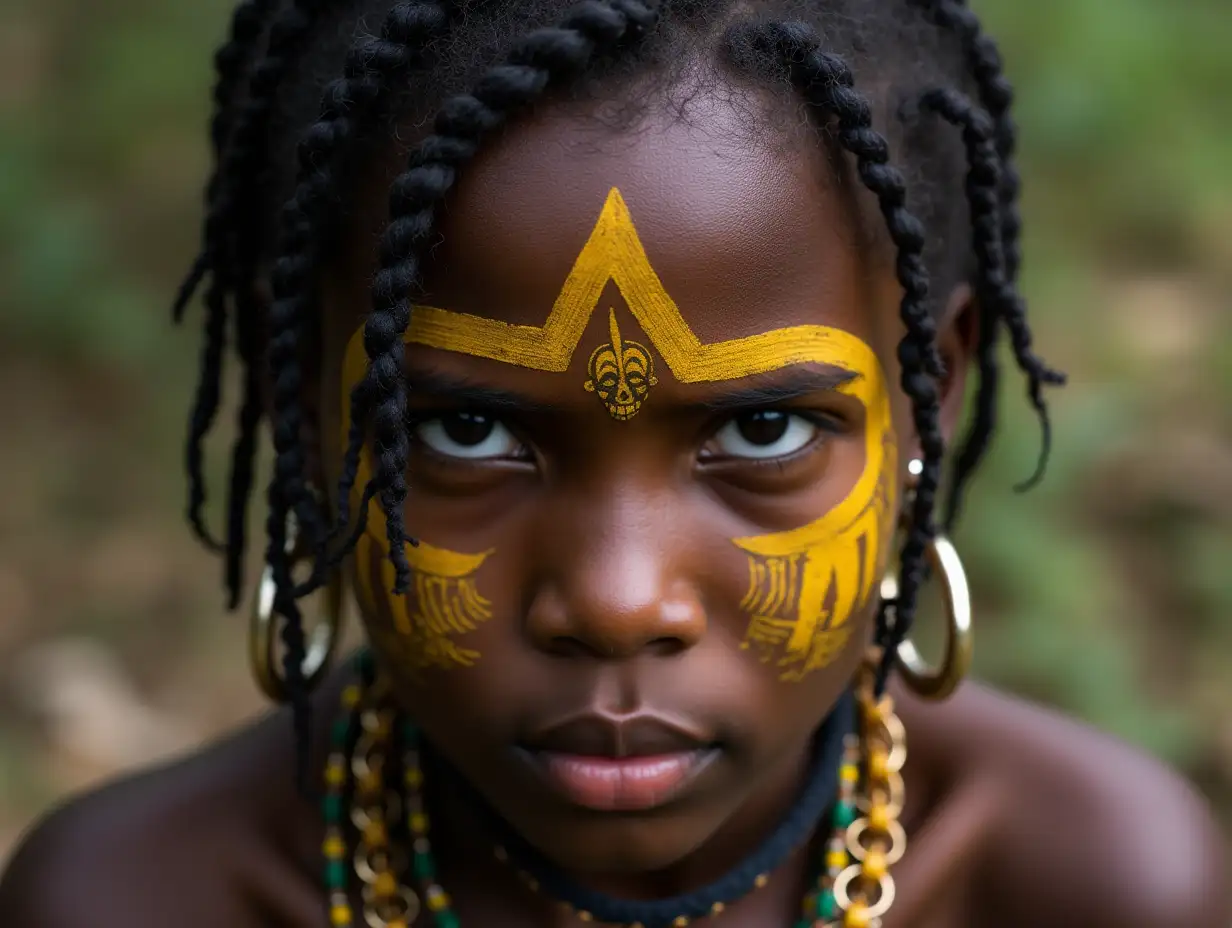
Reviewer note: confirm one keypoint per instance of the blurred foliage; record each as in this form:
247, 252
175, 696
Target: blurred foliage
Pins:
1106, 592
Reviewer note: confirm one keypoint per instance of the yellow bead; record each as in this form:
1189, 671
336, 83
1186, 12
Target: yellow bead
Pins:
584, 916
717, 908
419, 823
385, 885
878, 765
879, 818
351, 696
414, 777
857, 916
849, 773
437, 898
375, 833
836, 860
761, 880
334, 847
875, 865
340, 916
680, 922
335, 773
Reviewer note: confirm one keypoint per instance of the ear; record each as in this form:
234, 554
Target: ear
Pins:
309, 394
958, 332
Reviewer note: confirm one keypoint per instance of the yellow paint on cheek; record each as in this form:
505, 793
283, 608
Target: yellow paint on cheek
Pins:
444, 601
805, 584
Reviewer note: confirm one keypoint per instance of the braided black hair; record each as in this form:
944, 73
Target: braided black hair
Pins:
427, 59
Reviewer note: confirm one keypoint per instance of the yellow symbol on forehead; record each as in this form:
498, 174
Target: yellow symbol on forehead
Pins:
621, 372
614, 252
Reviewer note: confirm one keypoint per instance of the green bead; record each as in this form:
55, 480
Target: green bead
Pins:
446, 919
335, 874
339, 732
331, 808
423, 867
844, 814
804, 923
827, 908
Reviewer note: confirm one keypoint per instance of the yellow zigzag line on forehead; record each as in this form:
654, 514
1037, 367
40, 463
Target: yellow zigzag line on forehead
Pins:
614, 252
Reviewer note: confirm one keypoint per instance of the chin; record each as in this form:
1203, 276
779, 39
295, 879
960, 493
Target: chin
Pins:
616, 844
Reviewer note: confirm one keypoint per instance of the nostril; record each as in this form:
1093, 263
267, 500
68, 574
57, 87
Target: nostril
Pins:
566, 646
666, 646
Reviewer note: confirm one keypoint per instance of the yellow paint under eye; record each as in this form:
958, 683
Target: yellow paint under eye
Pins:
805, 584
443, 602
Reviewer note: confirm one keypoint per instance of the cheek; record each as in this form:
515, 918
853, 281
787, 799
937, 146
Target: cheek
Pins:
438, 624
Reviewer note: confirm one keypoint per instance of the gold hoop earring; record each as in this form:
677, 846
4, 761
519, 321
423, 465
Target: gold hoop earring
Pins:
265, 628
938, 683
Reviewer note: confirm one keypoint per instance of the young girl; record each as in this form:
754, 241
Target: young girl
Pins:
613, 357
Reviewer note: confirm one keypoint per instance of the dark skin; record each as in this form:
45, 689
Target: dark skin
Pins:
615, 590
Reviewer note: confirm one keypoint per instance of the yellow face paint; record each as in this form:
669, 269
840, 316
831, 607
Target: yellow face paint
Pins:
614, 253
804, 584
621, 372
444, 601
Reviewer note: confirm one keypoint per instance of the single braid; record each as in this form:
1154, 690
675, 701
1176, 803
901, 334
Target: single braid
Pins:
205, 406
993, 291
826, 83
230, 63
542, 59
997, 97
244, 454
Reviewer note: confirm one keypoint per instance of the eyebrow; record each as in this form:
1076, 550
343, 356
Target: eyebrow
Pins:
788, 385
467, 393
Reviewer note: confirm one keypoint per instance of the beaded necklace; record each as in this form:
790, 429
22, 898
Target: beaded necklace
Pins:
374, 770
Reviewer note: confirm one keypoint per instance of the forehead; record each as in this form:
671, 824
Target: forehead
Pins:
744, 225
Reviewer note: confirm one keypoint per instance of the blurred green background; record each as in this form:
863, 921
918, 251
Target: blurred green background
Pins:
1107, 592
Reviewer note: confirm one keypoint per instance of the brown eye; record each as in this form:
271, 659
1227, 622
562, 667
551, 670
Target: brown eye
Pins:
766, 433
468, 435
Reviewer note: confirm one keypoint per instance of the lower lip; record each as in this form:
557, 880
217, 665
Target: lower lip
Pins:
624, 784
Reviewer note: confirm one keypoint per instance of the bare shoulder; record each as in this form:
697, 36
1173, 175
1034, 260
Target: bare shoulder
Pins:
1089, 831
194, 843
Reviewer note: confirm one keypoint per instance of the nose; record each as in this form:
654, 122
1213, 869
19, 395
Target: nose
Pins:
621, 592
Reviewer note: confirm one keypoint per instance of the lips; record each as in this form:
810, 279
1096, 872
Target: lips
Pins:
634, 763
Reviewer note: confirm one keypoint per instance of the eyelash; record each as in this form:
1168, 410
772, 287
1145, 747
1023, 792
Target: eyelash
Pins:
827, 424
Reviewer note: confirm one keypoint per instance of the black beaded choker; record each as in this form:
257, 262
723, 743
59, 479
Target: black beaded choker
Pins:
796, 828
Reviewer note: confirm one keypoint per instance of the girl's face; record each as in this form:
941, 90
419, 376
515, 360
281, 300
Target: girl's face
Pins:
657, 457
